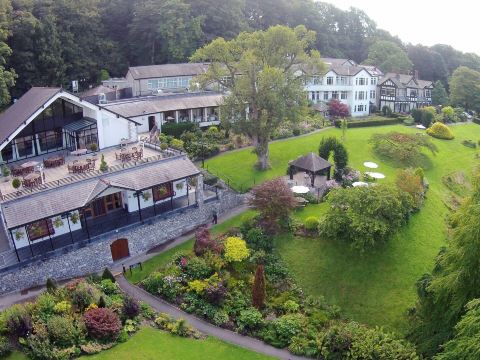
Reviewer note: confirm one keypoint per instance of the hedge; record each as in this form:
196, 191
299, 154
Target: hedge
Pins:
373, 122
476, 120
176, 130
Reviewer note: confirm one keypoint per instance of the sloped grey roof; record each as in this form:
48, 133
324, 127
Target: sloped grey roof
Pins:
23, 108
401, 80
161, 103
100, 89
337, 61
71, 197
310, 162
167, 70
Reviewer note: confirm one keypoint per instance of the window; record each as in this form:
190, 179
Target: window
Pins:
161, 192
343, 80
373, 81
325, 95
372, 94
362, 95
334, 94
169, 83
317, 80
40, 229
343, 95
312, 95
413, 93
329, 80
390, 92
361, 81
360, 108
317, 95
428, 93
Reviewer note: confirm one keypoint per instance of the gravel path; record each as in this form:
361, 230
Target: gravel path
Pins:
203, 326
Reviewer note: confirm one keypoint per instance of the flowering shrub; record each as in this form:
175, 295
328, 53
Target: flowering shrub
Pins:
235, 249
102, 324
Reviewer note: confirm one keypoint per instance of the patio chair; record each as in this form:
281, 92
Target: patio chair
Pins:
117, 157
91, 166
70, 169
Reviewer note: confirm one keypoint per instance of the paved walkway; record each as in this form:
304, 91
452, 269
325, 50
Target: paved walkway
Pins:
203, 326
29, 294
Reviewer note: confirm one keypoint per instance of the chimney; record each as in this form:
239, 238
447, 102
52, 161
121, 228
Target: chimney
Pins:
397, 75
415, 74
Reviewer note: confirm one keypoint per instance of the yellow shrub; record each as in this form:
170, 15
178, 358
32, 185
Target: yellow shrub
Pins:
440, 131
197, 285
235, 249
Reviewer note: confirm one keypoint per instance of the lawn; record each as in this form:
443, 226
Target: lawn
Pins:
149, 344
158, 261
379, 287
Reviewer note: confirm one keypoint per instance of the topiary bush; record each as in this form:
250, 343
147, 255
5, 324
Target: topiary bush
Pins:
131, 307
102, 324
440, 131
107, 274
311, 223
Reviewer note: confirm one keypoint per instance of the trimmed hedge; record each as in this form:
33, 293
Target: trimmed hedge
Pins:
476, 120
372, 122
176, 130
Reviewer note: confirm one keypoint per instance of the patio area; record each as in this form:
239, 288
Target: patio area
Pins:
54, 176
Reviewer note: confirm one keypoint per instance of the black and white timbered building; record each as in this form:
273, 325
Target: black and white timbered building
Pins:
403, 93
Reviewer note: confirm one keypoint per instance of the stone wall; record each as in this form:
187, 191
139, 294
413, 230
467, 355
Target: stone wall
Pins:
96, 256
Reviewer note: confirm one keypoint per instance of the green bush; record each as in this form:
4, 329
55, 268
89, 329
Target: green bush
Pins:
51, 285
249, 319
197, 268
176, 144
62, 331
18, 321
257, 240
109, 287
5, 348
374, 122
210, 179
311, 223
408, 121
440, 131
386, 111
176, 130
107, 274
84, 295
280, 331
469, 143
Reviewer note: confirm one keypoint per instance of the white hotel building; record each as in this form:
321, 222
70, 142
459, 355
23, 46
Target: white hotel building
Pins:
352, 84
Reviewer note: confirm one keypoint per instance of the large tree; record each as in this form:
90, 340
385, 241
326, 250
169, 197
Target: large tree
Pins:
465, 88
7, 76
259, 72
454, 282
429, 63
163, 31
388, 57
439, 94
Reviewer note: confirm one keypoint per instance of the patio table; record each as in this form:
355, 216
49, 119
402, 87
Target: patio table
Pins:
80, 166
54, 161
31, 180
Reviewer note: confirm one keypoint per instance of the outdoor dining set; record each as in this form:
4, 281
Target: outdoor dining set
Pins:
81, 166
30, 172
135, 153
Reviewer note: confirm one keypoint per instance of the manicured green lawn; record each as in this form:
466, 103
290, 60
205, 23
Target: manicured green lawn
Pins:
152, 344
379, 287
158, 261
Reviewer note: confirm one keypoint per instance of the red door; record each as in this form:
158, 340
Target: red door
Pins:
119, 249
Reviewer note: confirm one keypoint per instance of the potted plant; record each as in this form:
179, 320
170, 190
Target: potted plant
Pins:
16, 183
93, 148
19, 235
6, 173
179, 186
162, 191
36, 230
74, 217
58, 222
103, 164
146, 195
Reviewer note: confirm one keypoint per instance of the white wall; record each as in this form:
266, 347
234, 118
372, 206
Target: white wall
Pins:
143, 120
111, 130
63, 229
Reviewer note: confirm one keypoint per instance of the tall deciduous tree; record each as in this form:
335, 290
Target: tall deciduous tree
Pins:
259, 72
163, 31
429, 63
454, 282
7, 76
388, 57
465, 89
439, 94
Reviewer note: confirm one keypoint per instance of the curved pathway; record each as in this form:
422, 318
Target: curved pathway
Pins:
203, 326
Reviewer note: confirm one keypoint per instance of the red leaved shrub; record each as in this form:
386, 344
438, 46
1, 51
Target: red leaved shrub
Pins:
102, 323
204, 242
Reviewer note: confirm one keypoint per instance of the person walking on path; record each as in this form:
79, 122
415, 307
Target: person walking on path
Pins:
215, 217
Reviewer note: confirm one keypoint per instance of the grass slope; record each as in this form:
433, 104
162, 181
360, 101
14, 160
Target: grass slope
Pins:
379, 287
150, 344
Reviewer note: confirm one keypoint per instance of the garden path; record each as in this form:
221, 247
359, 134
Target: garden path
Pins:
203, 326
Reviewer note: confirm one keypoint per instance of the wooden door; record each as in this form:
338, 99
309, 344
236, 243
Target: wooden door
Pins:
151, 123
119, 249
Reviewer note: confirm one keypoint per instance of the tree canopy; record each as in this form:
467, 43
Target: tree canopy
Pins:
439, 94
465, 89
388, 57
258, 71
7, 76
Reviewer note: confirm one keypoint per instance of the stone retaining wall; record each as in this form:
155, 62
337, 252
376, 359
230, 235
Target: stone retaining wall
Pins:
96, 256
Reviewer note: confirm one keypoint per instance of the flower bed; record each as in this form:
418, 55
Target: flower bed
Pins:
237, 282
86, 316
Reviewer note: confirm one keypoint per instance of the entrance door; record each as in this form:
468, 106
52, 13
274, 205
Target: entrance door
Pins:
99, 207
151, 122
119, 249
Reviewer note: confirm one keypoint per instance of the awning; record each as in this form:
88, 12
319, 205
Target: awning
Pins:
79, 125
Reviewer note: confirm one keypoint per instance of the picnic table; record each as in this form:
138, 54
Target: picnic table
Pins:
32, 180
78, 152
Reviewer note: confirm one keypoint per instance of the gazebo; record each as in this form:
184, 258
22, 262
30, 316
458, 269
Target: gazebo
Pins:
312, 164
